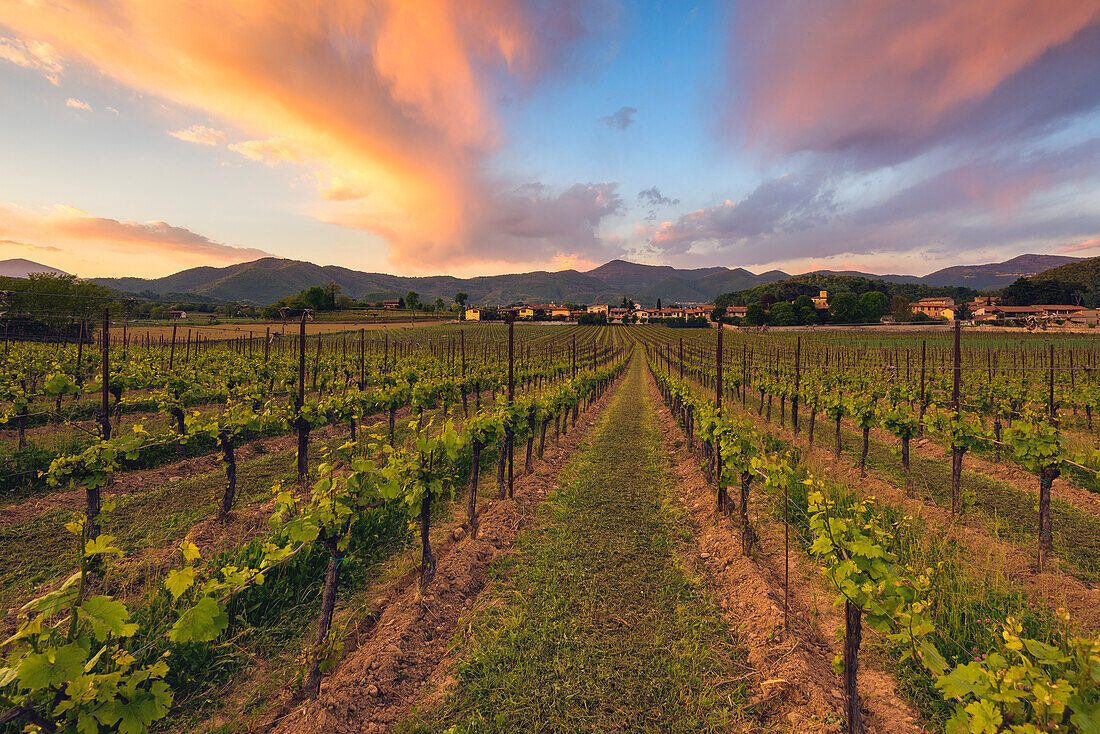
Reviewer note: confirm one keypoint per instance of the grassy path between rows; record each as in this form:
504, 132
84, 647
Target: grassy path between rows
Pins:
593, 624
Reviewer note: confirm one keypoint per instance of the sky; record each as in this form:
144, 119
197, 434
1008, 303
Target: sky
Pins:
477, 137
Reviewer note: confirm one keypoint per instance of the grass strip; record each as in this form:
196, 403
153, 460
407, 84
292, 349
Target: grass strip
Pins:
593, 624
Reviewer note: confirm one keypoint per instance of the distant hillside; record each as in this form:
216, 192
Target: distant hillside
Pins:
265, 281
870, 276
20, 268
810, 284
262, 282
635, 277
996, 275
1084, 272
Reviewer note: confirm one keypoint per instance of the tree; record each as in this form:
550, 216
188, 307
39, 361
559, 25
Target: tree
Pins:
53, 298
755, 315
899, 307
807, 315
592, 319
1029, 292
658, 304
718, 313
802, 302
783, 314
332, 291
314, 298
845, 308
460, 298
412, 300
440, 305
873, 305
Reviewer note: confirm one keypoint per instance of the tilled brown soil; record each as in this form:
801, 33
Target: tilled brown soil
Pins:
795, 688
136, 482
399, 656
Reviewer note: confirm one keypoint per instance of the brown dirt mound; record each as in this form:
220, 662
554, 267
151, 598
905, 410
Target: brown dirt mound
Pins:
400, 655
136, 482
795, 686
989, 555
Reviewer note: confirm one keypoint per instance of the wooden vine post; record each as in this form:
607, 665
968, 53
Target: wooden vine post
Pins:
923, 359
172, 351
225, 443
299, 420
510, 434
853, 636
681, 358
104, 411
797, 380
957, 451
1051, 410
719, 475
1047, 475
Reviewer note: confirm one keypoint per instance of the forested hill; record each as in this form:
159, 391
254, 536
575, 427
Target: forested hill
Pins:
1064, 284
811, 284
265, 281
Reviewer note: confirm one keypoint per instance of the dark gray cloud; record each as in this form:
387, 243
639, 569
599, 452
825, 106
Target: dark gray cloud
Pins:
791, 203
653, 197
530, 224
621, 120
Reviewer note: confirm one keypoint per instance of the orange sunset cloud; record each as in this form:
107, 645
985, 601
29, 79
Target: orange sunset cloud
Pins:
109, 245
387, 103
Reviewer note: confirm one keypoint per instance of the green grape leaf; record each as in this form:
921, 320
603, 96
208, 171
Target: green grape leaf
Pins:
107, 617
102, 546
52, 668
180, 581
201, 623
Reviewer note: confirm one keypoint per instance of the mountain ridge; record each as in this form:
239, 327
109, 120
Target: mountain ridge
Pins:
17, 267
264, 281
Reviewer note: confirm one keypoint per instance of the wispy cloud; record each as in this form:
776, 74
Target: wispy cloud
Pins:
115, 246
28, 246
1089, 244
653, 197
37, 55
199, 134
77, 104
621, 120
272, 151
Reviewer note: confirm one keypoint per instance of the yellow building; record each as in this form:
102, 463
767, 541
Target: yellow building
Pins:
473, 314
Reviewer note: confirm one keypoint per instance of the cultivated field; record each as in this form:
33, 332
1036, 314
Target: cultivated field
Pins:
468, 527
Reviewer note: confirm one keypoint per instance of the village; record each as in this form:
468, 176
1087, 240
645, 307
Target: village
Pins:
602, 313
980, 310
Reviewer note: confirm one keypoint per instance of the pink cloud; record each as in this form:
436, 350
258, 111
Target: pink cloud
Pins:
842, 74
1092, 244
115, 246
